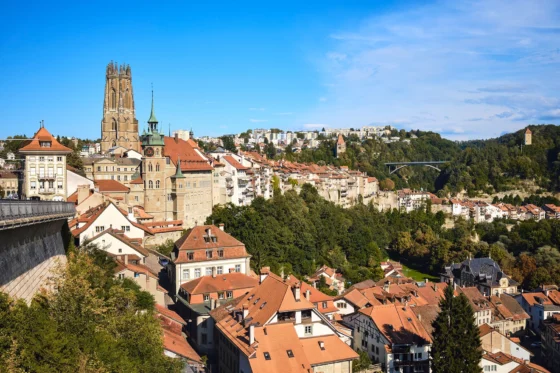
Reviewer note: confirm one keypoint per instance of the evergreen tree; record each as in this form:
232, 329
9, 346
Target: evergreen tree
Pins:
443, 344
456, 339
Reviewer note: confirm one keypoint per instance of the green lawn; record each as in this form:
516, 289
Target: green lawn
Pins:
417, 275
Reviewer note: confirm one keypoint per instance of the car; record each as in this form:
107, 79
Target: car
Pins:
536, 344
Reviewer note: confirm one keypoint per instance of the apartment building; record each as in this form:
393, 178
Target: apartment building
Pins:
45, 167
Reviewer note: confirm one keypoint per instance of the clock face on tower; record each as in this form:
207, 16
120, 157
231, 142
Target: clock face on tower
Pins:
149, 152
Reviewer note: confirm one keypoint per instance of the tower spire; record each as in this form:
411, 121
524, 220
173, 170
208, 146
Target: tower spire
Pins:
153, 121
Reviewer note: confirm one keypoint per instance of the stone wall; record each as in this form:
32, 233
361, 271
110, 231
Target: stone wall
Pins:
28, 256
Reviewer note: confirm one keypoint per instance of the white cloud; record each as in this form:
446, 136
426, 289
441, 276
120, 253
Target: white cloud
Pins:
258, 120
489, 65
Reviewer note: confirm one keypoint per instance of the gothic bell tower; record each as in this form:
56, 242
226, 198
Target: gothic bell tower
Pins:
119, 126
153, 169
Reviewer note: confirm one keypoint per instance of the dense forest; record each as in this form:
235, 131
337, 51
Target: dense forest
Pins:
301, 232
486, 166
93, 323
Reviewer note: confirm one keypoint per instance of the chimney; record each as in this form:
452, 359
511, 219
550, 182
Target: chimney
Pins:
435, 286
307, 294
264, 273
245, 310
427, 280
83, 193
419, 317
251, 334
213, 272
176, 137
221, 225
125, 259
297, 292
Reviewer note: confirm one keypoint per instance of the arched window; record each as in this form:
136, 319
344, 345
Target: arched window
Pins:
150, 184
157, 167
150, 167
114, 125
157, 184
113, 99
157, 151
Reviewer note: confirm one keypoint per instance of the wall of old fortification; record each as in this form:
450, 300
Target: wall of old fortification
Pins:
28, 256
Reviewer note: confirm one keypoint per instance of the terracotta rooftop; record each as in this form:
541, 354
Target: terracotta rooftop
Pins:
44, 136
397, 323
176, 343
327, 349
106, 186
191, 159
238, 166
223, 282
198, 241
133, 243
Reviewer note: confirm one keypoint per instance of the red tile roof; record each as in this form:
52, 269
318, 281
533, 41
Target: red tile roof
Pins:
198, 241
133, 243
191, 160
176, 343
223, 282
229, 159
44, 135
332, 350
105, 186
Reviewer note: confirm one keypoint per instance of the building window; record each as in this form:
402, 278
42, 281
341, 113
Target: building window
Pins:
324, 304
59, 159
208, 271
209, 254
221, 253
220, 295
150, 184
99, 228
157, 167
33, 185
186, 274
136, 274
167, 160
197, 272
190, 256
59, 170
308, 330
41, 159
238, 268
125, 228
32, 171
206, 297
121, 276
157, 184
125, 177
230, 294
220, 270
136, 198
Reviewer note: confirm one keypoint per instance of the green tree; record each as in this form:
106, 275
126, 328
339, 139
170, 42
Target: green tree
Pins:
456, 338
387, 184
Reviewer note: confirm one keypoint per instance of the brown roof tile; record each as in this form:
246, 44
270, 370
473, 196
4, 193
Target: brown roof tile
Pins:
44, 135
228, 281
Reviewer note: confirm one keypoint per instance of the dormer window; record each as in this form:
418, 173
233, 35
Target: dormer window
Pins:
209, 254
45, 144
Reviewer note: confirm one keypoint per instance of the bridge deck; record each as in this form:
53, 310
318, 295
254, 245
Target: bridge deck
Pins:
15, 213
414, 163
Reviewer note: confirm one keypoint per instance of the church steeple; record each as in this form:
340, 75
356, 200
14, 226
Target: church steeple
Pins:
153, 122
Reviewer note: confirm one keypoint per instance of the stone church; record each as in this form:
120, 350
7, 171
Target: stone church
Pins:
119, 126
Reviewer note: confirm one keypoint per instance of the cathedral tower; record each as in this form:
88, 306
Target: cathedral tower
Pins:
119, 126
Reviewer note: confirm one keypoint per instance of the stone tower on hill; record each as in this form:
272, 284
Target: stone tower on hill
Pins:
340, 146
119, 126
528, 137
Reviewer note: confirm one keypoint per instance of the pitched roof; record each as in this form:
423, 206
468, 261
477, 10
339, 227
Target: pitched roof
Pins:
536, 298
276, 340
238, 166
44, 136
92, 214
105, 186
139, 268
340, 140
426, 315
327, 349
355, 297
198, 240
176, 343
191, 160
170, 314
398, 324
135, 244
224, 282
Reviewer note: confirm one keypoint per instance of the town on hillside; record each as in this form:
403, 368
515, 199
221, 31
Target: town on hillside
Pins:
149, 224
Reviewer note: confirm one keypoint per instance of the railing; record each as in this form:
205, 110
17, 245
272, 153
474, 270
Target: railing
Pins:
10, 210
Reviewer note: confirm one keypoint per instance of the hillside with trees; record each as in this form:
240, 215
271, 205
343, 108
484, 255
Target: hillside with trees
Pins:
301, 232
479, 166
93, 323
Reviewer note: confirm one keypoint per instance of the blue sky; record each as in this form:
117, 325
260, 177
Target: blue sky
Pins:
470, 69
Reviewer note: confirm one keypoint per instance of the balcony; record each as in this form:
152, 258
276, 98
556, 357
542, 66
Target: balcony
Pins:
46, 190
425, 364
46, 177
